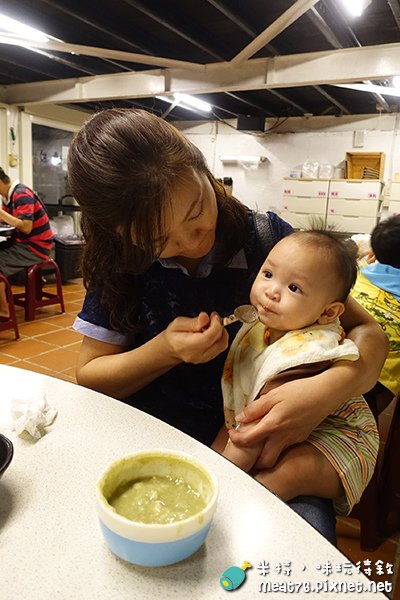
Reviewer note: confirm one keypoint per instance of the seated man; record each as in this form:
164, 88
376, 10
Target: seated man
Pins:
377, 289
32, 240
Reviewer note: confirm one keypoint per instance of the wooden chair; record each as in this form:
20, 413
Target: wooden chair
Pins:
34, 295
382, 495
390, 472
11, 321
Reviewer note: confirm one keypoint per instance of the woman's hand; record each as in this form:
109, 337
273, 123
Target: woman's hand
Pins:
196, 340
287, 415
118, 372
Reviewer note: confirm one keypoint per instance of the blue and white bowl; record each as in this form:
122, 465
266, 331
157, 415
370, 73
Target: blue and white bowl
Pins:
154, 545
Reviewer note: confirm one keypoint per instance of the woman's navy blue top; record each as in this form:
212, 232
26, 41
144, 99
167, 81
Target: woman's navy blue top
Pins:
188, 396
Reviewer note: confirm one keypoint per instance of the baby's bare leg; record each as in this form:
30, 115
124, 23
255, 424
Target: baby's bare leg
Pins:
302, 470
245, 458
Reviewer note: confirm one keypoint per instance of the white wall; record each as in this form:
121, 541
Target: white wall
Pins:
322, 139
3, 136
8, 118
21, 121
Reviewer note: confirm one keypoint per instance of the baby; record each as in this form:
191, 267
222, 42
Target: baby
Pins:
300, 293
377, 289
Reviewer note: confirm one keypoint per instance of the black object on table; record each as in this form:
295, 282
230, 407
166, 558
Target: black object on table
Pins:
6, 453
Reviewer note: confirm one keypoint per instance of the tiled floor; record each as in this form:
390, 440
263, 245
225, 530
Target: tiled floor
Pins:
49, 345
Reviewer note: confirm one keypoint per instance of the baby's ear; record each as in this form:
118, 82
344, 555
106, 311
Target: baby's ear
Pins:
331, 313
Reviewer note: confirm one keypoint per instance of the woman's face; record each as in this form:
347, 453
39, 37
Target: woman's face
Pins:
191, 220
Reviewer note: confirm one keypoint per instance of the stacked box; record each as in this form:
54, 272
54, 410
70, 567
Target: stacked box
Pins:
304, 201
394, 199
353, 206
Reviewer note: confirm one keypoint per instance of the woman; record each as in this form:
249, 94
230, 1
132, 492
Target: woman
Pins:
166, 253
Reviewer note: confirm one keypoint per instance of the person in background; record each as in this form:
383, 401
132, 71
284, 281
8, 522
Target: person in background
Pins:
377, 289
299, 294
32, 239
166, 252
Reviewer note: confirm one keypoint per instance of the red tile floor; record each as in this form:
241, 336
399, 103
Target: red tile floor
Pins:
49, 345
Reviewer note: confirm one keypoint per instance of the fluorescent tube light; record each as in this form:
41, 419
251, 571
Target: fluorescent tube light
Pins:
370, 88
356, 7
396, 82
21, 30
187, 102
192, 102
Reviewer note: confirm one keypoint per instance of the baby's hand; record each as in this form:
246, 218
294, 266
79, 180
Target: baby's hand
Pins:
370, 257
196, 340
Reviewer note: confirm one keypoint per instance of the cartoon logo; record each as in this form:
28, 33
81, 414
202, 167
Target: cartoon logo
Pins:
233, 577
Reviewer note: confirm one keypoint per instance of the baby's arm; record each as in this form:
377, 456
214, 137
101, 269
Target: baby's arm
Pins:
243, 457
221, 440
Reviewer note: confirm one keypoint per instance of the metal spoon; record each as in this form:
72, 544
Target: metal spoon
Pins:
246, 313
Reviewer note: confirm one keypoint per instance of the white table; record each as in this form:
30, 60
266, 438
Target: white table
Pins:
51, 546
4, 228
5, 232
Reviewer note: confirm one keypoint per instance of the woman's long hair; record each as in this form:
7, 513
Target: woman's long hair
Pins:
123, 167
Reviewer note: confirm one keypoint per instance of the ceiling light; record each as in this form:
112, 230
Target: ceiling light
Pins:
370, 88
165, 99
21, 30
396, 81
56, 160
187, 101
356, 7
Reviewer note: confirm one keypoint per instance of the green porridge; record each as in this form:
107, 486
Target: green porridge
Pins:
157, 499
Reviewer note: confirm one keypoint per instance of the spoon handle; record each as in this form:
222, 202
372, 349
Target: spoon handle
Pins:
229, 320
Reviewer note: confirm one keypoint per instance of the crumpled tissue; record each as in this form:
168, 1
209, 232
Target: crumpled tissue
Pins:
32, 416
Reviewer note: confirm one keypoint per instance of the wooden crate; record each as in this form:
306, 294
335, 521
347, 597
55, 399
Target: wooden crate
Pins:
356, 162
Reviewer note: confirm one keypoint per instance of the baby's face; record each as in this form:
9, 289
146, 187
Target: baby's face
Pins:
294, 286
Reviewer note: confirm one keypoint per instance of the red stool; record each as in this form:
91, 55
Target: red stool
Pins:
34, 295
11, 321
